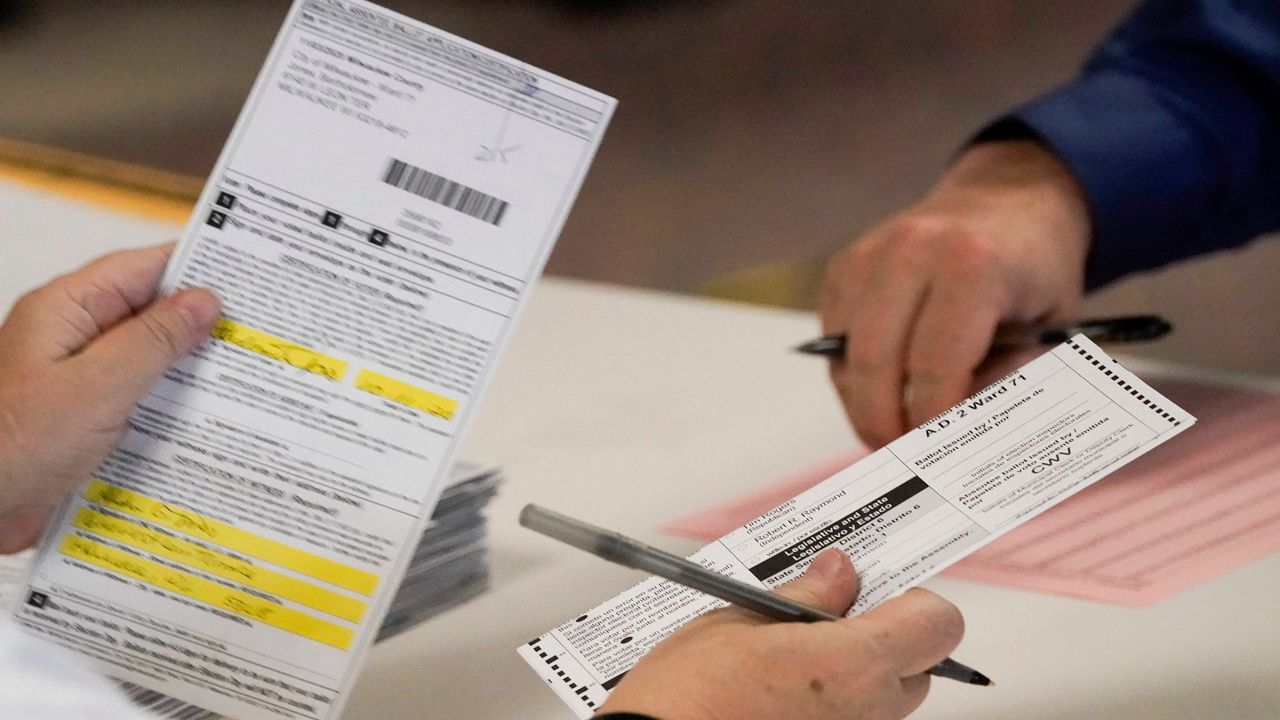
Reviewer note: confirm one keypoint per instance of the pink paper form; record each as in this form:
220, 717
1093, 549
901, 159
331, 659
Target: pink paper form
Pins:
1179, 516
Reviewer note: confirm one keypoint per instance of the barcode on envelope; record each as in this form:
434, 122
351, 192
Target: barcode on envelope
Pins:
452, 194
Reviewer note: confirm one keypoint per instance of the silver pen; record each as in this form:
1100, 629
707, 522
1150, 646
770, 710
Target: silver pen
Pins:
620, 549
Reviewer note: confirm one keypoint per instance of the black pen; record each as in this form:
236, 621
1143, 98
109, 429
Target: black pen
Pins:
620, 549
1132, 328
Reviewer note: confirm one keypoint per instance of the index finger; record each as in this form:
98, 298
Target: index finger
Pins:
951, 337
876, 316
915, 631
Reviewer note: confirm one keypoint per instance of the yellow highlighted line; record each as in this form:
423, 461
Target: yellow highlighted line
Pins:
406, 394
185, 521
280, 349
206, 591
219, 564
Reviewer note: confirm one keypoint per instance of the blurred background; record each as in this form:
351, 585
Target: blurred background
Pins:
752, 139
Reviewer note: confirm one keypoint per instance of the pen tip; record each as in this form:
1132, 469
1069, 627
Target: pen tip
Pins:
980, 679
832, 345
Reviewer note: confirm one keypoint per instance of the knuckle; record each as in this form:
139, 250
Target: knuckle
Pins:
911, 254
971, 250
914, 230
162, 335
88, 294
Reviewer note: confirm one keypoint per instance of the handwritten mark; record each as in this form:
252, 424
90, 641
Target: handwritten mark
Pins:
279, 349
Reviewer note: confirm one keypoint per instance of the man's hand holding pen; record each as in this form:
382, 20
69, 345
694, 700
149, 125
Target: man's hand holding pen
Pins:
1002, 239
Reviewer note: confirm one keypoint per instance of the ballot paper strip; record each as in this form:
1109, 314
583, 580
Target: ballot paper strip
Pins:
903, 513
1162, 525
373, 227
450, 566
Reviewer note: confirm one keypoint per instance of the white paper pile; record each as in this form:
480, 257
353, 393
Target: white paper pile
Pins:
451, 563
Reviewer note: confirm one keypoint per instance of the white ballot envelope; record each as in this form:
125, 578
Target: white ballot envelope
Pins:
903, 513
373, 226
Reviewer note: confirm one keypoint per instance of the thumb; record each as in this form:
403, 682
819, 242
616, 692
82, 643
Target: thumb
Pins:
126, 361
830, 583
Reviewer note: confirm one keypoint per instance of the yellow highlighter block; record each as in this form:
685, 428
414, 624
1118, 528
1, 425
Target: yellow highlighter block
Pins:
216, 532
279, 349
206, 591
406, 394
227, 567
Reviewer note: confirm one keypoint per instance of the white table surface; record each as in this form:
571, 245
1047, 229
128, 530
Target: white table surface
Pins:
630, 408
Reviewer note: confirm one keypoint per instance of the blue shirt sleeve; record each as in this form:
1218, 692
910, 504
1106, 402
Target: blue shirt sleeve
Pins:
1173, 130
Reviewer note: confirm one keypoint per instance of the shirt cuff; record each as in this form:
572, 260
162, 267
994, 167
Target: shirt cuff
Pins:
1145, 175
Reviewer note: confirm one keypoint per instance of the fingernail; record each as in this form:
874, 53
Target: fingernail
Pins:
830, 565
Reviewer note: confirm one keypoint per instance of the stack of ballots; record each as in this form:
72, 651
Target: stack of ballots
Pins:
449, 566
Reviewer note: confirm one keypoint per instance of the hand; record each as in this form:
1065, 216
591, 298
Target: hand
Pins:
75, 356
735, 665
1002, 238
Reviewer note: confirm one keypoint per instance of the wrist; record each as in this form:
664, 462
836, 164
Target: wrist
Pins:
1022, 164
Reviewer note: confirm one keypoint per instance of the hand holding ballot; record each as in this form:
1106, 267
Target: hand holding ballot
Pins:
732, 664
75, 356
